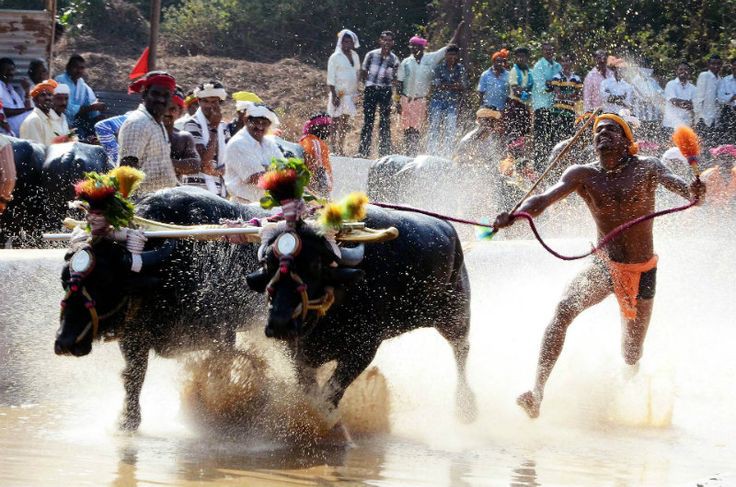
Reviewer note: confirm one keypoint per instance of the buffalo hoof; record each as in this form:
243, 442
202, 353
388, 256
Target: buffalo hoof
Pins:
130, 420
466, 408
338, 436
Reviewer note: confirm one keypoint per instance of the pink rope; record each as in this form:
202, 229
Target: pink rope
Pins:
431, 213
521, 214
605, 240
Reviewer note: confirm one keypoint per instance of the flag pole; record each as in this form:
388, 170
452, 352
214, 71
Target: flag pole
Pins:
153, 40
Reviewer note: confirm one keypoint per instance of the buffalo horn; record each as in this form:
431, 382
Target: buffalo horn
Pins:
352, 256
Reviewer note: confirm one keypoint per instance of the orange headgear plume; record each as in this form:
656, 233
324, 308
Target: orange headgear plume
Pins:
687, 141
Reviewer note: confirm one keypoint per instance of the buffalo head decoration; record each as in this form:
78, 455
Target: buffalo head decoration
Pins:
98, 280
302, 272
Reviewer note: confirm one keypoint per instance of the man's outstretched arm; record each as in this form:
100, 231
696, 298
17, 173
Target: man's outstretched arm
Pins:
535, 205
677, 185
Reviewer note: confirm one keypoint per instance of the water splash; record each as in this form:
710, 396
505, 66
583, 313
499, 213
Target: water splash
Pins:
246, 394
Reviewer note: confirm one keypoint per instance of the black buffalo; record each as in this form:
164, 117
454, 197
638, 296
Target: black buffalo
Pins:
417, 280
44, 186
188, 296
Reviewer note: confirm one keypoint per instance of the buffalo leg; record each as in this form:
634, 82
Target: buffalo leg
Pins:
348, 369
134, 372
307, 377
456, 333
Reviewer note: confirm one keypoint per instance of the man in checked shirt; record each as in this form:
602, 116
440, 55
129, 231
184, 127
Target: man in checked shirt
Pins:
144, 142
379, 74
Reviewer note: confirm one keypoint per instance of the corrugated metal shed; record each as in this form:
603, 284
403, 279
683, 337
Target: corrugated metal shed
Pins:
25, 35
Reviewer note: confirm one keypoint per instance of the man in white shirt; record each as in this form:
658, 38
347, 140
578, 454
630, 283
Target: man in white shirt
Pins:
343, 73
648, 100
616, 94
17, 106
679, 94
414, 82
727, 98
249, 153
44, 125
705, 103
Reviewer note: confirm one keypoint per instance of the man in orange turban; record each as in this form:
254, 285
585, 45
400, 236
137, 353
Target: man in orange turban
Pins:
493, 85
44, 125
618, 187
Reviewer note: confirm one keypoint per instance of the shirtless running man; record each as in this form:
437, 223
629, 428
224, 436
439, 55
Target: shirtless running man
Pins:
617, 188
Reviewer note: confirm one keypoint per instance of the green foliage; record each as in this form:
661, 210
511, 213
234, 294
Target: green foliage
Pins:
273, 29
199, 25
284, 180
664, 32
112, 21
101, 192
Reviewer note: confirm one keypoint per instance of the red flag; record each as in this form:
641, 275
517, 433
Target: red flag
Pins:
141, 66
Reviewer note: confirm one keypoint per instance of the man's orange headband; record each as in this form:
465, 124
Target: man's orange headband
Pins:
633, 146
503, 53
44, 86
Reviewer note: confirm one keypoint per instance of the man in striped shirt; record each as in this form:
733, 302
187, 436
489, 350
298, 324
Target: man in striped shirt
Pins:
211, 135
107, 134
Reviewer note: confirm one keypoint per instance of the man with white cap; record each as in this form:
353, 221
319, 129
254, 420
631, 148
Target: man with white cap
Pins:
243, 99
210, 135
249, 153
43, 125
61, 101
343, 73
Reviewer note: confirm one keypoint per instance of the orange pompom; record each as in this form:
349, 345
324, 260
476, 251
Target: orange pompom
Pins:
687, 141
92, 192
276, 179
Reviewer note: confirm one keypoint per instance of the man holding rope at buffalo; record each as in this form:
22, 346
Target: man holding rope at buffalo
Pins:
619, 187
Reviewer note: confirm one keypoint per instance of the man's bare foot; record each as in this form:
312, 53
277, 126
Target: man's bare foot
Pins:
530, 403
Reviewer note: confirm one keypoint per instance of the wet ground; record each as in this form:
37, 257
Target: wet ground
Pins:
672, 424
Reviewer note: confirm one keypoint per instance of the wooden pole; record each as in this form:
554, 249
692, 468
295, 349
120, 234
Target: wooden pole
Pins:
466, 15
51, 8
153, 41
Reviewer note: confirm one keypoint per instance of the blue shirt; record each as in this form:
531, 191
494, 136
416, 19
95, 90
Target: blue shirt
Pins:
107, 133
543, 72
495, 89
444, 75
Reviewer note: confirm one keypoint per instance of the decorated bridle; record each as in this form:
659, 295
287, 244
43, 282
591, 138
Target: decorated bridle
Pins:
81, 265
287, 247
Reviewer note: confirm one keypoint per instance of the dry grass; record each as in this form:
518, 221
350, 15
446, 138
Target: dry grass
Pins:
293, 88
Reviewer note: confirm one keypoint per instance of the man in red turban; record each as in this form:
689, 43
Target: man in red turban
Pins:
143, 140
